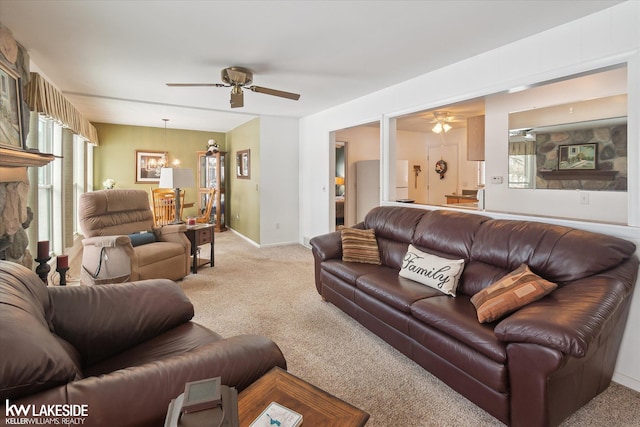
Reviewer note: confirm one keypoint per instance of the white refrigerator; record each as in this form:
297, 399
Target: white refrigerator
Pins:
368, 185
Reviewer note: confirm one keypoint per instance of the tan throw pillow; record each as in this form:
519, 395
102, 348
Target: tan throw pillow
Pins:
431, 270
513, 291
360, 246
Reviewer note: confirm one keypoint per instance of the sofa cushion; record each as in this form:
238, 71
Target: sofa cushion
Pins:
156, 252
394, 222
174, 342
386, 286
431, 270
456, 317
448, 232
515, 290
560, 254
360, 246
114, 212
349, 271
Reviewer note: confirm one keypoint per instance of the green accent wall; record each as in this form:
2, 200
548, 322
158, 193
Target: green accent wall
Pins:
115, 156
243, 200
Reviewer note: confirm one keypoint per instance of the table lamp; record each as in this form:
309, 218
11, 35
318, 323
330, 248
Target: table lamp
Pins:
176, 178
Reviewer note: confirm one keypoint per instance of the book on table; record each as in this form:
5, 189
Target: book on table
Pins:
276, 415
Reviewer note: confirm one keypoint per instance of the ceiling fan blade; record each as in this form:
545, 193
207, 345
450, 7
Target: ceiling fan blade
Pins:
280, 93
195, 84
237, 97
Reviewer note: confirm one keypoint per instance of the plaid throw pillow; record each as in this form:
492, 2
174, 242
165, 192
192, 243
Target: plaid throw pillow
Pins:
360, 246
513, 291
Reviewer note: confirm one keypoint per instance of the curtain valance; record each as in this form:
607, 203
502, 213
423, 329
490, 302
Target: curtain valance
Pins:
522, 148
42, 97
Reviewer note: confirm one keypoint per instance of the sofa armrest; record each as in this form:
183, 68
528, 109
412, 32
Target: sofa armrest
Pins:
100, 321
327, 246
107, 241
169, 229
118, 250
175, 234
139, 395
573, 317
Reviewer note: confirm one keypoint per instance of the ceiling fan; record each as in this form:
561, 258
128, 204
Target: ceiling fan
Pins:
442, 120
445, 117
238, 78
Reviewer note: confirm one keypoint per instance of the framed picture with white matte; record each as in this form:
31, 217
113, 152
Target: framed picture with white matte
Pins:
149, 164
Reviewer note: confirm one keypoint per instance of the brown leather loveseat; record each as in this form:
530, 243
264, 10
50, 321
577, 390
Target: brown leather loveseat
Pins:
111, 355
533, 367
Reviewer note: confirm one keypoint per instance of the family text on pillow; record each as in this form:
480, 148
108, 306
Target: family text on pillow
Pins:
431, 270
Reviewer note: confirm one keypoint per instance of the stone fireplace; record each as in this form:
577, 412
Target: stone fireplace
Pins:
15, 215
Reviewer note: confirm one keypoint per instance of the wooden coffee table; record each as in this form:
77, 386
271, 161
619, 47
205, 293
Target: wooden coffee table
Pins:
318, 408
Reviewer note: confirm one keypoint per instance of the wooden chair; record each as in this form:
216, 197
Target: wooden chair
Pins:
164, 205
205, 217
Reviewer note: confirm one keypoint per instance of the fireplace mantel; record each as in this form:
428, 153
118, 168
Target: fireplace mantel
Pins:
18, 158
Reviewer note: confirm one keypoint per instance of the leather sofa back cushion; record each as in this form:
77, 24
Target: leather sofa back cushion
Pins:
448, 232
557, 253
394, 222
38, 358
151, 306
113, 212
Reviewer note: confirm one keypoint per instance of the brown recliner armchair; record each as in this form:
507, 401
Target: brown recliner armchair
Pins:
121, 243
115, 354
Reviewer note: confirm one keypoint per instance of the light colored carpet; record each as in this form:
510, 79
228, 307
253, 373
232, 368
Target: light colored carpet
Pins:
271, 292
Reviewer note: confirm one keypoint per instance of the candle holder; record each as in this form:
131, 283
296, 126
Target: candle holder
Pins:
43, 268
62, 271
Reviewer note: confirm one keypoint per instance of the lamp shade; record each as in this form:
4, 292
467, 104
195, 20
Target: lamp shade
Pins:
176, 178
339, 180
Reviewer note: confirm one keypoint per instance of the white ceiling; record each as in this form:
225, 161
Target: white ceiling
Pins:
113, 58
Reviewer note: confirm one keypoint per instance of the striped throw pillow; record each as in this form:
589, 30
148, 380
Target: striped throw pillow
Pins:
360, 246
512, 292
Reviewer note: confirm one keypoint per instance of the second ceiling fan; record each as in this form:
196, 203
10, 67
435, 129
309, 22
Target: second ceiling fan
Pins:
238, 78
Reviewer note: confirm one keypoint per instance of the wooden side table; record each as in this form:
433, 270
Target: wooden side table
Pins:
318, 408
200, 234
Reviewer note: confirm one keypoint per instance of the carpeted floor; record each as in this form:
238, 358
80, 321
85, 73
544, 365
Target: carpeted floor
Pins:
271, 292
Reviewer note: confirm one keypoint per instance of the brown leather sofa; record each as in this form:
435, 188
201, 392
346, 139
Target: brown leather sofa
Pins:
533, 367
123, 351
109, 219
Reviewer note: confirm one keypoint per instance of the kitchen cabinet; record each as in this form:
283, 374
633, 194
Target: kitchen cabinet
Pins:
212, 174
475, 138
455, 199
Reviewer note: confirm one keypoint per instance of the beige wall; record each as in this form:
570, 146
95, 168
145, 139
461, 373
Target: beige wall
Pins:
115, 156
243, 200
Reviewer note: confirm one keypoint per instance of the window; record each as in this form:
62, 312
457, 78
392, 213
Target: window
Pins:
45, 179
79, 176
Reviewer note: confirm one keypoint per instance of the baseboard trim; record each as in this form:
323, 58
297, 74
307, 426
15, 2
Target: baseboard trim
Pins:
626, 381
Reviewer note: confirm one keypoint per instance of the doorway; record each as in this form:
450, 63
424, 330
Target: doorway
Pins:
341, 183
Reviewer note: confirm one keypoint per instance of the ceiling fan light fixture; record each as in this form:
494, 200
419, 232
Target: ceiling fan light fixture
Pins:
439, 127
237, 97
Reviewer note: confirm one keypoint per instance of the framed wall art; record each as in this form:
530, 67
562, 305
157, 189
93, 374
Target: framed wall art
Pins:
10, 109
243, 164
148, 165
577, 156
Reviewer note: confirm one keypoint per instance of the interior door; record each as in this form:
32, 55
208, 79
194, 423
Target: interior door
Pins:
438, 186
